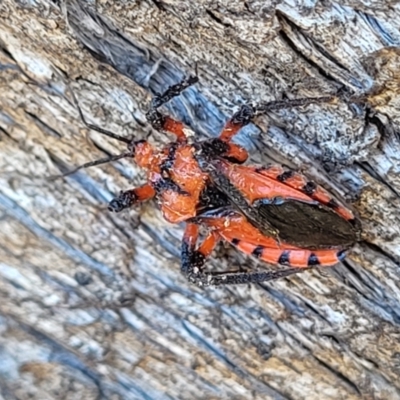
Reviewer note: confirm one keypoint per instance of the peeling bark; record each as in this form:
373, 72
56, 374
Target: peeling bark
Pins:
93, 304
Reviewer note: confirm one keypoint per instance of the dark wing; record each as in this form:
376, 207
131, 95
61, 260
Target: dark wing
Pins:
308, 225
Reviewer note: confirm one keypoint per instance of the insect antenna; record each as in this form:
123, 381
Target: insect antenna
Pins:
94, 127
105, 132
95, 162
280, 104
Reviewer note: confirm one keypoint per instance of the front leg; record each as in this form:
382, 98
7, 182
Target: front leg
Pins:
131, 197
162, 122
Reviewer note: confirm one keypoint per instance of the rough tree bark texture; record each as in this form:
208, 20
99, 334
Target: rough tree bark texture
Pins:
93, 304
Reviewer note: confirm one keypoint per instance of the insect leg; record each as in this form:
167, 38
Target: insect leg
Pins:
131, 197
235, 229
246, 113
193, 263
94, 127
173, 91
192, 259
209, 244
280, 104
238, 120
162, 122
238, 277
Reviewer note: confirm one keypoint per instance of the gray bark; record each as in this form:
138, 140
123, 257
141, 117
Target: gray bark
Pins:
93, 304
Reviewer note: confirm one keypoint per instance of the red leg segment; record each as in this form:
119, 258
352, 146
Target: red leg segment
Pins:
236, 153
191, 235
230, 130
131, 197
143, 193
162, 122
237, 122
209, 244
174, 127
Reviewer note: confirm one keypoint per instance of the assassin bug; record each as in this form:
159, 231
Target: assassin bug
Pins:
271, 213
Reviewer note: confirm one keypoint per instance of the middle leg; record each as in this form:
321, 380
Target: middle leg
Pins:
246, 113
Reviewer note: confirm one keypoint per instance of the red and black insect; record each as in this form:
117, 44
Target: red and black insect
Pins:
271, 213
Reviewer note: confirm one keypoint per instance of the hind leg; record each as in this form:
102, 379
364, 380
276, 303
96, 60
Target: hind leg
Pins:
235, 229
193, 260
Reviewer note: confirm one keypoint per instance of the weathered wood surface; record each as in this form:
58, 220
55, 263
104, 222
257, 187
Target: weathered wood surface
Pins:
93, 304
